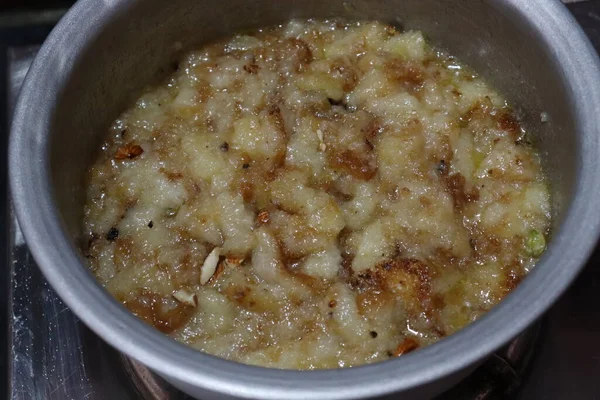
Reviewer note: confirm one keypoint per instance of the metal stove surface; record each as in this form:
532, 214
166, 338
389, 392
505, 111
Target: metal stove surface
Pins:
52, 355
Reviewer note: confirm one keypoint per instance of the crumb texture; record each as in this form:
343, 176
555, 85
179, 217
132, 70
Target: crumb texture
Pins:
321, 194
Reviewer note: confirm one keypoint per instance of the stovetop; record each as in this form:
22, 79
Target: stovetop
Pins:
52, 355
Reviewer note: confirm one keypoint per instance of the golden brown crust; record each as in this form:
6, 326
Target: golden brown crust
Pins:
298, 50
407, 345
354, 164
456, 185
409, 75
507, 122
408, 278
155, 310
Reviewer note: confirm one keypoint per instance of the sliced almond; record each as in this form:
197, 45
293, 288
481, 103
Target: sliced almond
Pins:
322, 145
320, 135
129, 150
185, 297
210, 265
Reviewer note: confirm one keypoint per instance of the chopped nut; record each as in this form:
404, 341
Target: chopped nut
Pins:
320, 135
218, 272
210, 265
129, 150
407, 345
322, 146
263, 217
233, 261
535, 243
185, 297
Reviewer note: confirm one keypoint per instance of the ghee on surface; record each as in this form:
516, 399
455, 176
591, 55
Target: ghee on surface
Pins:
317, 195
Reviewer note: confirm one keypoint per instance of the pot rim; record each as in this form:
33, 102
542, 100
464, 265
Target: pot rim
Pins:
57, 258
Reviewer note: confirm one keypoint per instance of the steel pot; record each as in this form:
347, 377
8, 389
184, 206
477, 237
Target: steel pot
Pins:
103, 52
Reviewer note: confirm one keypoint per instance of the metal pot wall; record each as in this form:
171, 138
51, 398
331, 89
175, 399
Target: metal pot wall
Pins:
104, 51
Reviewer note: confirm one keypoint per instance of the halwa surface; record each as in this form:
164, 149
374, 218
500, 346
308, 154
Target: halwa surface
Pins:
317, 195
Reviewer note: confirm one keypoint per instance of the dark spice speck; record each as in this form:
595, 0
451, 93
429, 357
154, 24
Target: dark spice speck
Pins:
112, 235
373, 334
442, 167
224, 146
150, 224
246, 166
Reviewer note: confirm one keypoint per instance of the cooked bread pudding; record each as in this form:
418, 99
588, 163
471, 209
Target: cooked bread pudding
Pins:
321, 194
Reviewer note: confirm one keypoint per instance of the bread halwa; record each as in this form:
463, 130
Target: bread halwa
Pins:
320, 194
